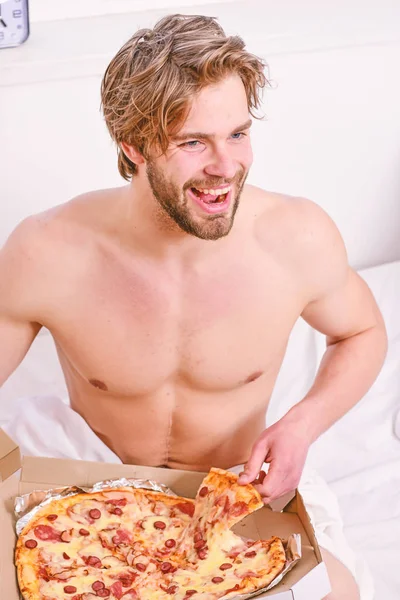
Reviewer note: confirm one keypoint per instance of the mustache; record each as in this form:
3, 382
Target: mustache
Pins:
211, 185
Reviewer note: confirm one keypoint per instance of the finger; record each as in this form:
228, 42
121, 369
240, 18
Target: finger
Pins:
273, 484
267, 499
254, 464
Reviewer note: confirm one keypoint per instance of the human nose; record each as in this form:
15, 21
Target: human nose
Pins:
222, 165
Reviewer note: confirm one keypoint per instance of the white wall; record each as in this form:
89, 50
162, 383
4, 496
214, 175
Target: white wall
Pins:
333, 127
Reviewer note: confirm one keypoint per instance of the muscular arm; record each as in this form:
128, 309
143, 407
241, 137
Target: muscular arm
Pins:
343, 308
339, 304
18, 329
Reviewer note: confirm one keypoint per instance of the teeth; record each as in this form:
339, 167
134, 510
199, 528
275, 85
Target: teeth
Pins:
216, 192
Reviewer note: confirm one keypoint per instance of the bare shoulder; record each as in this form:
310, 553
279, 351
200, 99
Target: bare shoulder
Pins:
47, 248
71, 225
301, 236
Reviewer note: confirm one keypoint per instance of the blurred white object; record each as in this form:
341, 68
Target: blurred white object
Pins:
47, 426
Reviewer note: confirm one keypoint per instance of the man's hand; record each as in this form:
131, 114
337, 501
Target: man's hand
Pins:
284, 446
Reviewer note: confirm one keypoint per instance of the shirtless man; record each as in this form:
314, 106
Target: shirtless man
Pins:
171, 308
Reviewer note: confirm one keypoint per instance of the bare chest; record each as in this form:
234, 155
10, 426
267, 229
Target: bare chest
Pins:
131, 332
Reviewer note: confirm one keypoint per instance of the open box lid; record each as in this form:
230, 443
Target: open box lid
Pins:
10, 458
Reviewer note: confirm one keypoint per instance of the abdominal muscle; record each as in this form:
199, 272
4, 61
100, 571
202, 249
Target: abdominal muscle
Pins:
177, 427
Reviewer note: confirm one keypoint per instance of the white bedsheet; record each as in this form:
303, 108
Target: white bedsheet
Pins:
359, 456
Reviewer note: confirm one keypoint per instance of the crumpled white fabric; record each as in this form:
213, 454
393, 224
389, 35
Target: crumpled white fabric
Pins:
47, 426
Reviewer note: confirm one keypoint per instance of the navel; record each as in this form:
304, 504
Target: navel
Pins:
98, 384
253, 376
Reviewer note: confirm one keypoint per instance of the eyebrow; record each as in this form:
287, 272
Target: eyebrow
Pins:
207, 136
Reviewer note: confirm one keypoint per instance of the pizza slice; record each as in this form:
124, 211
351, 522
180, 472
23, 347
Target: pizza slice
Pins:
88, 583
220, 503
224, 575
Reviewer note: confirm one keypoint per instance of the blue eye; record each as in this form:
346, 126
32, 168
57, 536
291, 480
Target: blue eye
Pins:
189, 143
193, 143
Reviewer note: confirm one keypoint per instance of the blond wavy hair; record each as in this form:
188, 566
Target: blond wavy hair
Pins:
147, 89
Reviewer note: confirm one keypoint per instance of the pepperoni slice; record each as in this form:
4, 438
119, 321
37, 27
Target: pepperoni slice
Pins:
217, 579
98, 585
116, 589
121, 537
52, 517
70, 589
117, 502
203, 492
197, 538
103, 593
45, 532
172, 589
126, 579
159, 525
221, 501
227, 505
225, 566
93, 561
117, 511
200, 544
186, 507
190, 593
165, 567
65, 537
251, 554
43, 572
31, 544
141, 567
65, 556
170, 543
237, 509
202, 554
94, 513
84, 532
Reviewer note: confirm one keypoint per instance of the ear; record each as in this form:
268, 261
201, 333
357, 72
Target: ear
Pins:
133, 154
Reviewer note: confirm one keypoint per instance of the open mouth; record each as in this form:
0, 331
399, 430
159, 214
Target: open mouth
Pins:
212, 201
209, 198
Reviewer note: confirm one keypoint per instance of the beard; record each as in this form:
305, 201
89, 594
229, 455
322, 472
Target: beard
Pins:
174, 201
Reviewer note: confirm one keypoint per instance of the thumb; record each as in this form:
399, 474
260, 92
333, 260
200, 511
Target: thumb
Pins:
253, 466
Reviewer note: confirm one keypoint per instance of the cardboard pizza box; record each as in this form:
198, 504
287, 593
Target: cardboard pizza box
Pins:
308, 580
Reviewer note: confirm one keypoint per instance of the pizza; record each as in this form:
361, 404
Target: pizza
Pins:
137, 544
